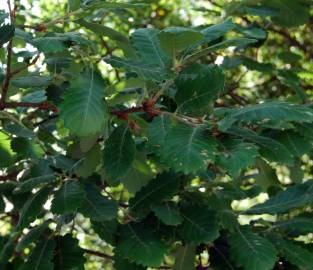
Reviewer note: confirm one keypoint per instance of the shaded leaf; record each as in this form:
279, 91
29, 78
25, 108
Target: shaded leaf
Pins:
6, 33
83, 103
293, 197
140, 246
96, 206
185, 258
32, 208
41, 256
199, 225
68, 254
119, 152
252, 251
164, 186
167, 213
197, 86
68, 198
188, 149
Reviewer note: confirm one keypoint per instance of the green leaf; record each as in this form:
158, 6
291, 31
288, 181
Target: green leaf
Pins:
167, 213
41, 256
34, 182
31, 81
140, 246
68, 198
158, 130
196, 148
6, 153
199, 225
121, 263
300, 225
32, 236
293, 197
238, 157
289, 57
83, 103
175, 39
90, 162
3, 16
216, 31
147, 45
197, 86
138, 176
7, 250
267, 175
96, 206
2, 205
290, 13
257, 66
6, 33
32, 208
164, 186
185, 258
251, 251
49, 44
295, 254
290, 79
295, 143
235, 42
68, 254
275, 111
25, 148
147, 71
58, 42
122, 41
119, 152
252, 32
270, 149
106, 230
73, 5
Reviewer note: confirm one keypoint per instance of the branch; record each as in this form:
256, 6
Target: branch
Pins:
240, 100
18, 70
41, 105
97, 253
147, 107
291, 40
6, 81
8, 176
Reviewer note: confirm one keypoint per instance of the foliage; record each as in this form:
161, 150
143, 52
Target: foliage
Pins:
156, 134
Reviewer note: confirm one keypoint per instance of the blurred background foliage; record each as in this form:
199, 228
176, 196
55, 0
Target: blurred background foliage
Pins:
284, 70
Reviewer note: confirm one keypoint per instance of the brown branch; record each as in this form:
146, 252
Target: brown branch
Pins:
147, 107
18, 70
9, 176
6, 81
41, 105
240, 100
97, 253
291, 40
123, 114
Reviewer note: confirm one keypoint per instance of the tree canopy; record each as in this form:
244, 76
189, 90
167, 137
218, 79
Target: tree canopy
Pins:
156, 134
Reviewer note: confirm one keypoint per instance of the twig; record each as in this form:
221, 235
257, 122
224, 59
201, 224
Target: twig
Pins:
240, 100
291, 40
18, 70
97, 253
9, 176
6, 81
41, 105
